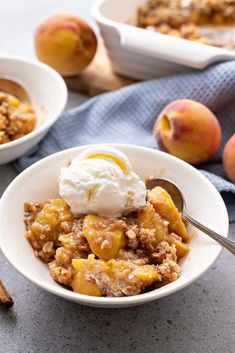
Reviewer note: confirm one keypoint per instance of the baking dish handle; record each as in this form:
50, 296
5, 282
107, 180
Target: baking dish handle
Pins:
173, 49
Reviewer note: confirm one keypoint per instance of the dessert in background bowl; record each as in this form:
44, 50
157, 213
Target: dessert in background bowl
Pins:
17, 118
207, 206
145, 54
42, 84
206, 21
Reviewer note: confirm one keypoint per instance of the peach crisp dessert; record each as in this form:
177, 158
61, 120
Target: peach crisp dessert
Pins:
107, 235
190, 19
16, 118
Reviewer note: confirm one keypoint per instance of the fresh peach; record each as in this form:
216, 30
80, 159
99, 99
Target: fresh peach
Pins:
229, 158
188, 130
66, 43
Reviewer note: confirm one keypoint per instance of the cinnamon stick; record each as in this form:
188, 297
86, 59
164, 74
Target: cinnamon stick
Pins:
6, 300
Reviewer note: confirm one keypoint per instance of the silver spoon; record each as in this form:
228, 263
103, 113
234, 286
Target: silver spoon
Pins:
14, 88
179, 201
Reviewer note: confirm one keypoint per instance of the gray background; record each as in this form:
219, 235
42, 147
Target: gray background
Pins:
200, 318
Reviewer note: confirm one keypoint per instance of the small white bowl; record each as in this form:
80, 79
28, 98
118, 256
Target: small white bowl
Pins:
203, 202
48, 96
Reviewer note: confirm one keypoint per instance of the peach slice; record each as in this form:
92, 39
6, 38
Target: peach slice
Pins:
105, 237
147, 217
80, 284
164, 205
116, 277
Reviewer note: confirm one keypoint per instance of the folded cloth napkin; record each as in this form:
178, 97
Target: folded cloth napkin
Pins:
128, 115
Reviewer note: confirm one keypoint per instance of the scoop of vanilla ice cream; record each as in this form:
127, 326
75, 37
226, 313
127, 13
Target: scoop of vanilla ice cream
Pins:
101, 181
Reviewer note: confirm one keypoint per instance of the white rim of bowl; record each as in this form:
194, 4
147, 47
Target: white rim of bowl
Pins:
60, 106
120, 301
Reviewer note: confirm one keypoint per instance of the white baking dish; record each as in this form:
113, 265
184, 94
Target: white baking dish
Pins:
143, 54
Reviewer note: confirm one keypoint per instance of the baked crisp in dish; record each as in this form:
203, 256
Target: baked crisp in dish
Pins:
16, 118
186, 18
107, 235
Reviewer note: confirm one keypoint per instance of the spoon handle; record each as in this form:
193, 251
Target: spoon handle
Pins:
228, 244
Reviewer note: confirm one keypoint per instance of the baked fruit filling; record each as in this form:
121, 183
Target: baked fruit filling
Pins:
109, 256
189, 19
107, 235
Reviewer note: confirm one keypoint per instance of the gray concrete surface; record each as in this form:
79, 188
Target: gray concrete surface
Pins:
199, 319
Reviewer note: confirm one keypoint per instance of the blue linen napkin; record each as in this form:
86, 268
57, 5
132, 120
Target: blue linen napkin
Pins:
128, 115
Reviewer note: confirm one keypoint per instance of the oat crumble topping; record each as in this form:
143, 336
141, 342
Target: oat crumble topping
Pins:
185, 18
16, 118
108, 256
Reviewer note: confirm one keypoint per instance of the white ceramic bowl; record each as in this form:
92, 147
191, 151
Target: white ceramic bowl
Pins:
143, 54
48, 95
203, 202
